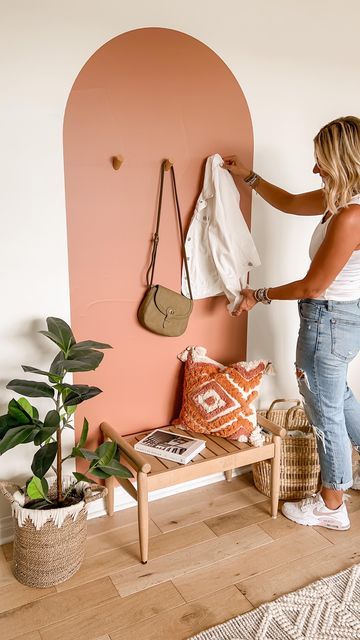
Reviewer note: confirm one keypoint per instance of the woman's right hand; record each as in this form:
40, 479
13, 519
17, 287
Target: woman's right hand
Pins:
235, 166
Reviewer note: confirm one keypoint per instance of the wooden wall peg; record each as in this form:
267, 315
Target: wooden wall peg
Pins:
168, 164
117, 162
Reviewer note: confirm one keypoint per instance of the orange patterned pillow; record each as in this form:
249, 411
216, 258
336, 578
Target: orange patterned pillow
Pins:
218, 399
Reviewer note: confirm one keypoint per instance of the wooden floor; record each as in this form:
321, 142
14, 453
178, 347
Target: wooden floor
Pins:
214, 553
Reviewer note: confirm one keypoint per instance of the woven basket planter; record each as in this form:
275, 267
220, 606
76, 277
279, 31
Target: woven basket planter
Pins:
299, 461
49, 546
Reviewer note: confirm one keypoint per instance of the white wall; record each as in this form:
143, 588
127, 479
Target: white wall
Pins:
297, 63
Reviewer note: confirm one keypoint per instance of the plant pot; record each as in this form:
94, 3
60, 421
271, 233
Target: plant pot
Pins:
49, 545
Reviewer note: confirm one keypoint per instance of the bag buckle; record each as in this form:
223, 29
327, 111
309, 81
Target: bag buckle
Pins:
169, 312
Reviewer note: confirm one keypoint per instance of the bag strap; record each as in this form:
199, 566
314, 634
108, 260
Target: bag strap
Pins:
156, 236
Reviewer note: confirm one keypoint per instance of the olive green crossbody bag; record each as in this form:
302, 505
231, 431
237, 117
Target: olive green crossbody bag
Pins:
162, 310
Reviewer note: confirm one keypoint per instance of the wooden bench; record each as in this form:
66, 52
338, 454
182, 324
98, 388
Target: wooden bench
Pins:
153, 473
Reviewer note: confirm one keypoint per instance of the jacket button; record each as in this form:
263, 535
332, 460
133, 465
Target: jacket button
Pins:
250, 264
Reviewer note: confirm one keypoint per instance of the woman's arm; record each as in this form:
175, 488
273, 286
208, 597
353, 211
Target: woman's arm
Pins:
311, 203
342, 237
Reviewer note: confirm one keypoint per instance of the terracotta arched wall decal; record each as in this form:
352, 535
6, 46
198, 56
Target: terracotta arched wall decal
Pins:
146, 95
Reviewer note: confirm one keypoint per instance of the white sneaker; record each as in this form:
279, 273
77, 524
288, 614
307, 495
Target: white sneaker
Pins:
314, 512
356, 477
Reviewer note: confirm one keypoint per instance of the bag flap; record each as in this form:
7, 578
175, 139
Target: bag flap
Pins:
172, 303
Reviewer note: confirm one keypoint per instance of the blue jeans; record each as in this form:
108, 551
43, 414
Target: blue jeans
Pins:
329, 338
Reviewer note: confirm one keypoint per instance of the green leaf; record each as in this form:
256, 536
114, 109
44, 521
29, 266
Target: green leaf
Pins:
65, 391
68, 425
52, 337
43, 459
18, 413
106, 452
80, 393
56, 366
114, 468
37, 488
84, 434
31, 388
59, 327
90, 344
52, 377
7, 422
17, 435
83, 360
80, 476
29, 369
50, 426
62, 387
25, 404
44, 434
80, 362
76, 388
52, 419
71, 409
84, 453
99, 473
75, 366
38, 423
60, 333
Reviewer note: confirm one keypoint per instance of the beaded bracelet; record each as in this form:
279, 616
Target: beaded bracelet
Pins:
252, 180
261, 295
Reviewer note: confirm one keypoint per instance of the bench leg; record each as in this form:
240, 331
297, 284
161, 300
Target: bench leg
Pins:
143, 515
275, 476
228, 475
109, 500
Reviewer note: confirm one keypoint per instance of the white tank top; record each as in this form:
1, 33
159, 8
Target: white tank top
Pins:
346, 285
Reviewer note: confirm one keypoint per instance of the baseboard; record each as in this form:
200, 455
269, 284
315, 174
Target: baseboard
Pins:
122, 500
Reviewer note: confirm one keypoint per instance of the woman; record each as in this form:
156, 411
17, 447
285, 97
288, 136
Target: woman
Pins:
329, 308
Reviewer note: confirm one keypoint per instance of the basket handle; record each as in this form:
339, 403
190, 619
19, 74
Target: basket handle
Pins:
290, 415
274, 402
94, 492
8, 489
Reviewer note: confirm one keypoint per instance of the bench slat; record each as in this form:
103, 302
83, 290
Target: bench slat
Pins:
228, 446
216, 447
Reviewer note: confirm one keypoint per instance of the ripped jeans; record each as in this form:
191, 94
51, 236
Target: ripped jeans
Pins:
329, 338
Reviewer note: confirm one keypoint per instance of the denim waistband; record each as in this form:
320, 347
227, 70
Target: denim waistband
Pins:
331, 304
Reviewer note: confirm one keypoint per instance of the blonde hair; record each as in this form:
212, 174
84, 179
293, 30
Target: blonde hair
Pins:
337, 153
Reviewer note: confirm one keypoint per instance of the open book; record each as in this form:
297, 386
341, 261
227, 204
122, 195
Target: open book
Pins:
172, 446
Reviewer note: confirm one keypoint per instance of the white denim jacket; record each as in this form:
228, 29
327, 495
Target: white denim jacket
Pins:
219, 247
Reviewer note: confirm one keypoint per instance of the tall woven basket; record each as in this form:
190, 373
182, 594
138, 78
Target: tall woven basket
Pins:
49, 546
299, 460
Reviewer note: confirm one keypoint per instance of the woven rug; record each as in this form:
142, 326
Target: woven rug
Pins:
328, 609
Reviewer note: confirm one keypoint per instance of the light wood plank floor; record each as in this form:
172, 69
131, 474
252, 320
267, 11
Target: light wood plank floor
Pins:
214, 553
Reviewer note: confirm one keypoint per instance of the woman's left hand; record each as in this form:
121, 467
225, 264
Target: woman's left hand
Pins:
247, 303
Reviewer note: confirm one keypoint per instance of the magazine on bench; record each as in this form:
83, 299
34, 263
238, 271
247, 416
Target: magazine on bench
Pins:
172, 446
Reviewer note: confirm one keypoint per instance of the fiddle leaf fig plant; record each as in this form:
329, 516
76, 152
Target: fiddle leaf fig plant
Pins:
22, 424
